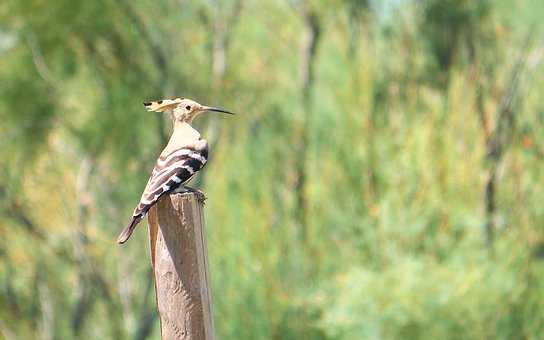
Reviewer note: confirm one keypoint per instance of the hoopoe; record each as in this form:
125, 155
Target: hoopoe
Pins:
184, 155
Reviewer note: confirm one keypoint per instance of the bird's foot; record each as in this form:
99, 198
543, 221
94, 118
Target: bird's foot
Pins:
200, 196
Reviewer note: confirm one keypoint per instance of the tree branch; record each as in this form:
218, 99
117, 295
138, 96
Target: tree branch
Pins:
311, 36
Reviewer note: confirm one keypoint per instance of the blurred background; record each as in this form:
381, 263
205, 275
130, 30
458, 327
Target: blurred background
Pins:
382, 179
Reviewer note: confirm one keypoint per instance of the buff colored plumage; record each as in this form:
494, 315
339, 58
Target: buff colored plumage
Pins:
185, 154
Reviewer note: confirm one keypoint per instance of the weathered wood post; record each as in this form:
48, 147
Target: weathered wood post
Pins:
180, 265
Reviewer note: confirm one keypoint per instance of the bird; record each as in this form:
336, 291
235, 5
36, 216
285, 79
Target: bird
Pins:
185, 154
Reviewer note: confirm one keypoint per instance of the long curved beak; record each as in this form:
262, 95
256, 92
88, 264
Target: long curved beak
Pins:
215, 109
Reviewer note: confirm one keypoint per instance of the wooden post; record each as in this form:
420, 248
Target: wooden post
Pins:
180, 265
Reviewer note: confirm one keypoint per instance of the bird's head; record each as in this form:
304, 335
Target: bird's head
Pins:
182, 109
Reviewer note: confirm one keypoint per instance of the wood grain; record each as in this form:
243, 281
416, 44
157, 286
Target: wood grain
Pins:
180, 265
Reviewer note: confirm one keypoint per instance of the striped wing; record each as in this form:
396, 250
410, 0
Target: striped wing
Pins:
169, 173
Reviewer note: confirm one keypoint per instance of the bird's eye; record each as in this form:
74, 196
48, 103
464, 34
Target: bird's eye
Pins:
188, 107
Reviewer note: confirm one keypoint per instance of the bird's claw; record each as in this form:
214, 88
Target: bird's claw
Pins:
200, 196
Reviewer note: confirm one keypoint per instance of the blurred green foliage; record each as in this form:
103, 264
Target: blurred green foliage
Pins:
382, 179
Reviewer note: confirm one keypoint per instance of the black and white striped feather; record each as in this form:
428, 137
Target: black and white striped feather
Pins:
170, 173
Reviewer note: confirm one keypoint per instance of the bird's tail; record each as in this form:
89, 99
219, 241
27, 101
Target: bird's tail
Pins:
127, 232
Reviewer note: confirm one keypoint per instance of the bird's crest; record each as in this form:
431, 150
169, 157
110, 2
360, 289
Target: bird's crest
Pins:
162, 105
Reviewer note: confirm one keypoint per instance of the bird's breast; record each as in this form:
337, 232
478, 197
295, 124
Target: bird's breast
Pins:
183, 136
201, 144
